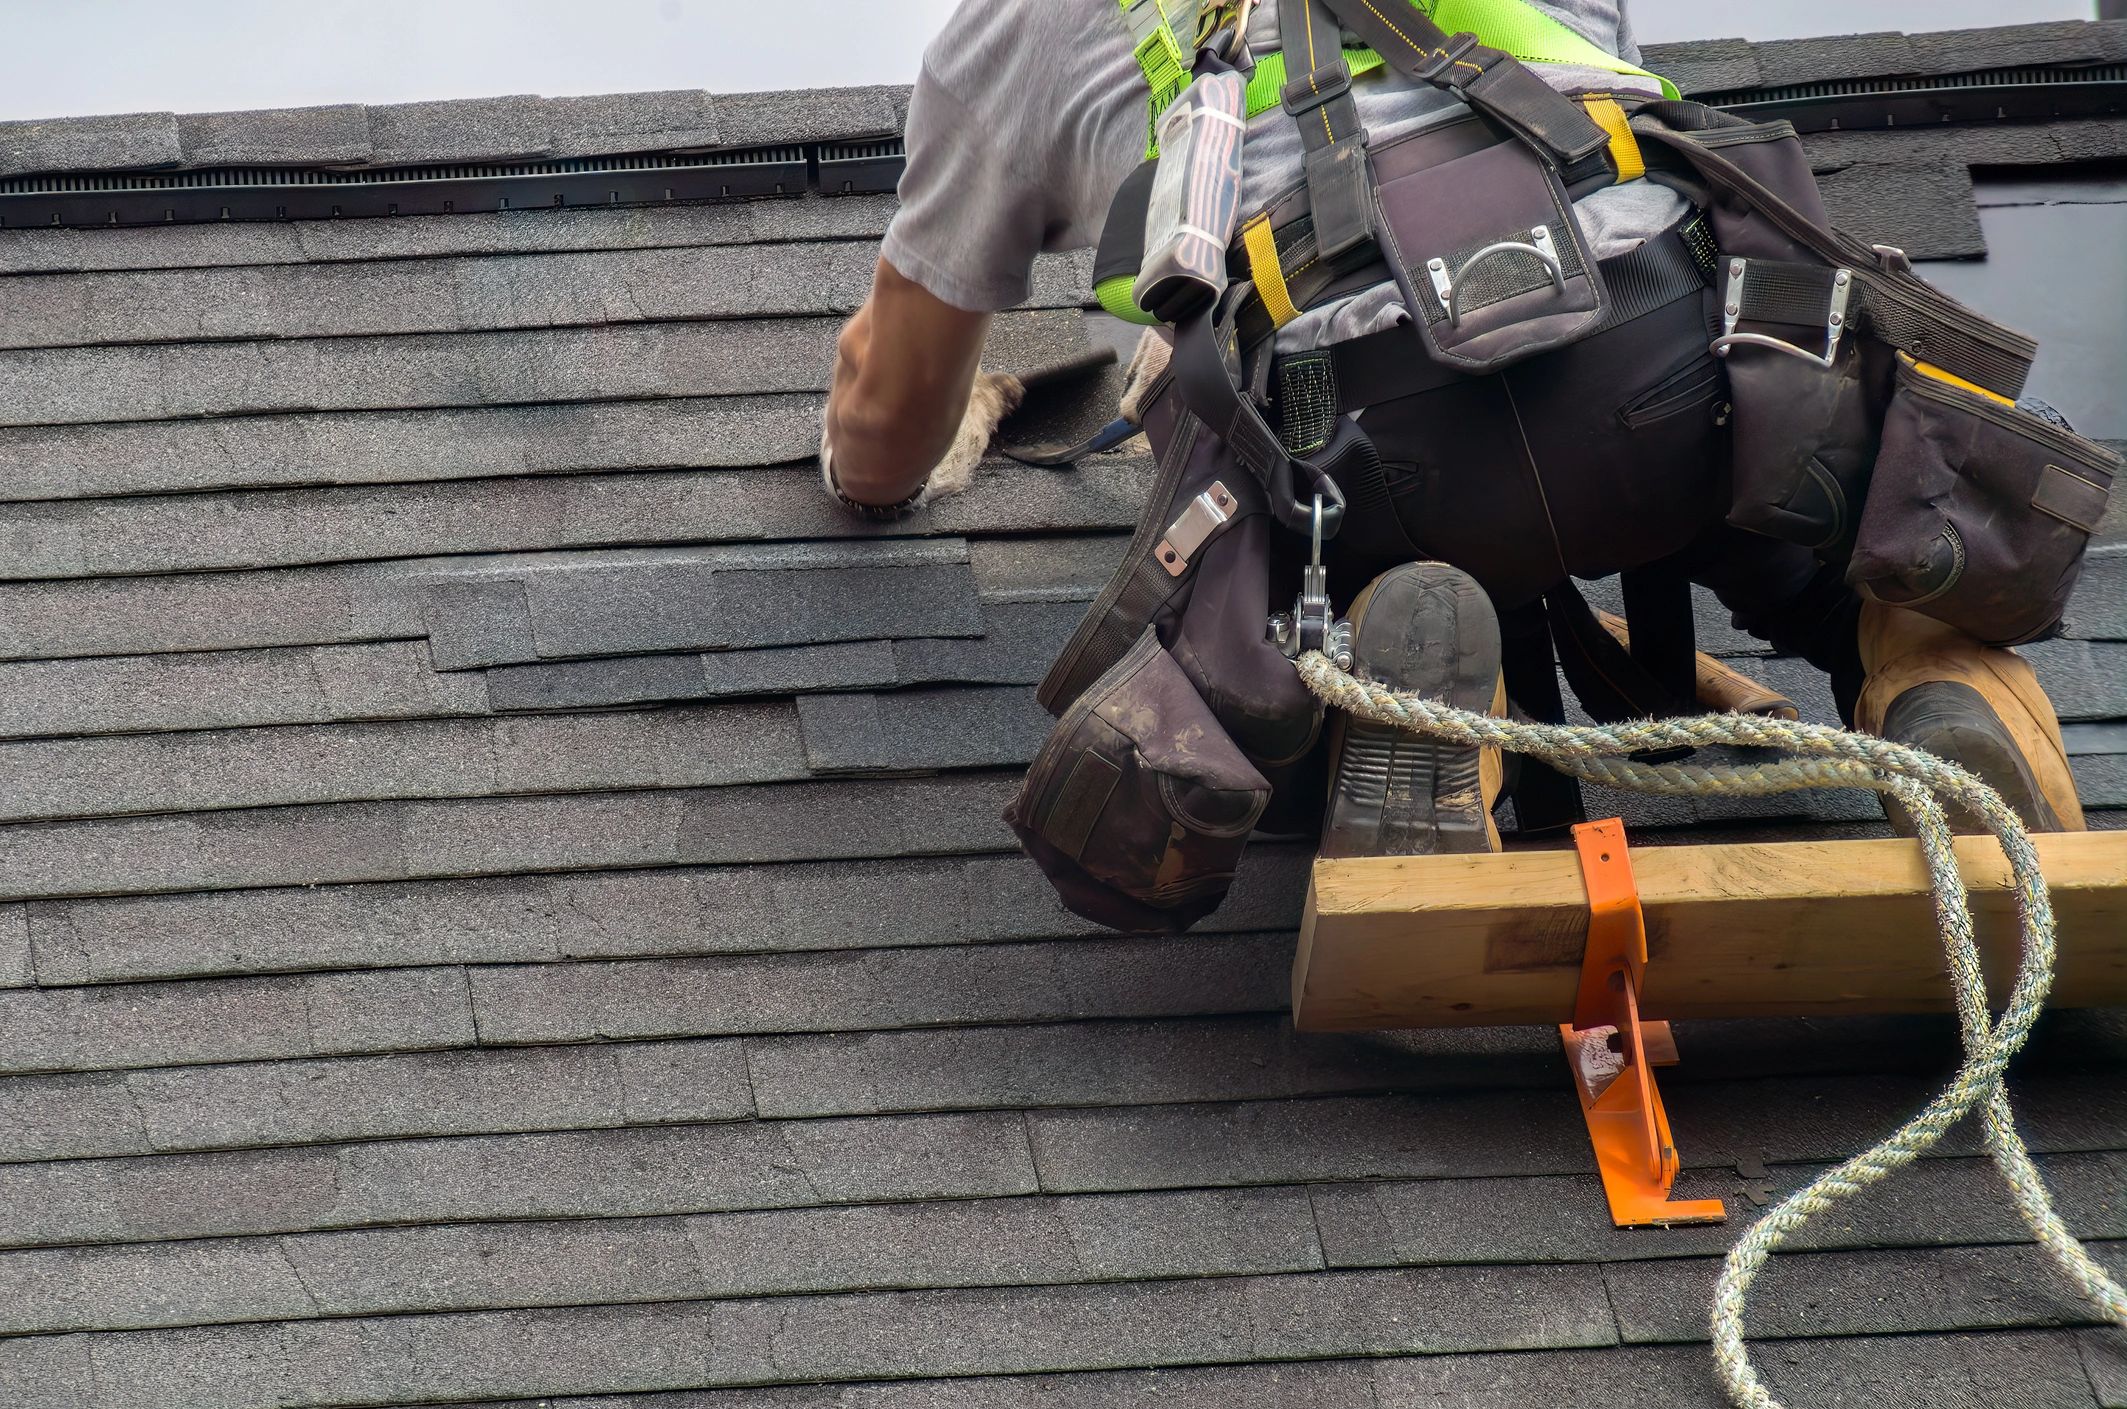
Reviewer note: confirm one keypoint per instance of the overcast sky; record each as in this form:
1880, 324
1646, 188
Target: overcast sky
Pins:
65, 57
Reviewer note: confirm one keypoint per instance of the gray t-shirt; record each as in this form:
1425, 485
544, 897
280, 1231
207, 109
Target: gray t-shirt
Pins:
1028, 114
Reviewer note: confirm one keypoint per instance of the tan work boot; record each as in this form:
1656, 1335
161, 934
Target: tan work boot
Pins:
1429, 629
1719, 686
1932, 686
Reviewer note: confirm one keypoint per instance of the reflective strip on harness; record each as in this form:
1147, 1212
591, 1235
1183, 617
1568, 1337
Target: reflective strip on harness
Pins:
1262, 246
1609, 115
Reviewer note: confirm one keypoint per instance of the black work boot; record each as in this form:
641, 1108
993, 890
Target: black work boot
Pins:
1952, 720
1430, 629
1931, 686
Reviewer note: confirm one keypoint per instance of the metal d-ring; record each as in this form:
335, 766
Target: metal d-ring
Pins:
1448, 287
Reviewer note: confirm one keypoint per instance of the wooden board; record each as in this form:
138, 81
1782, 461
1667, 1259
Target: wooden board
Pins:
1732, 931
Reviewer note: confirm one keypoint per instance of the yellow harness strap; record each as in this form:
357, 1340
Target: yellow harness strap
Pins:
1269, 275
1609, 115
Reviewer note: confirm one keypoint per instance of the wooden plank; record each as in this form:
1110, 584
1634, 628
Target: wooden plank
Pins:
1758, 929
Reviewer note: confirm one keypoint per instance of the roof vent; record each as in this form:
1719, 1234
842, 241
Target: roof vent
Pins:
1982, 95
308, 193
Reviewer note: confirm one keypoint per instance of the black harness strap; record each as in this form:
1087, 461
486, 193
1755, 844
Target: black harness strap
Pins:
1545, 800
1210, 390
1320, 101
1490, 80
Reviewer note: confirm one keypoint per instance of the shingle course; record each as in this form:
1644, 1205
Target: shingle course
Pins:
567, 1174
108, 143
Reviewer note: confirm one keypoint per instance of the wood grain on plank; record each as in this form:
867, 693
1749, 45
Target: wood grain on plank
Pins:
1760, 929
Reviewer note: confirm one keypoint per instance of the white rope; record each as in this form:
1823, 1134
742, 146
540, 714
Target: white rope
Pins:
1819, 757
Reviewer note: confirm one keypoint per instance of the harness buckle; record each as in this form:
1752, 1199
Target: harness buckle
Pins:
1311, 625
1311, 90
1439, 62
1732, 308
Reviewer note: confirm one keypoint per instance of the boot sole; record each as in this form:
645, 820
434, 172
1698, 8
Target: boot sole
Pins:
1429, 629
1954, 721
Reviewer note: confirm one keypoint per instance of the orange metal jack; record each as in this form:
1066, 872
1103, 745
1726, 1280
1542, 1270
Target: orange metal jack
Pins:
1626, 1121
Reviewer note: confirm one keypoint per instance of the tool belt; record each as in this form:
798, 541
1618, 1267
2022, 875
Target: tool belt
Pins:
1864, 413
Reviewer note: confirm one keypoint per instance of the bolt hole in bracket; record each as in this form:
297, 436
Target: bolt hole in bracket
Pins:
1612, 1052
1448, 287
1732, 304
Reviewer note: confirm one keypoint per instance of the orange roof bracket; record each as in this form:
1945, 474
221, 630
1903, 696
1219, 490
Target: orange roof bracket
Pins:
1613, 1054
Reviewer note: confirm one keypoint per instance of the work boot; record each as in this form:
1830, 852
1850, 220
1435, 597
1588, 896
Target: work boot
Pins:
1428, 629
1932, 686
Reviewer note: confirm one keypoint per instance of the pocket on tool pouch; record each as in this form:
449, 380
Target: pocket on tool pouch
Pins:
1805, 437
1485, 247
1138, 805
1978, 512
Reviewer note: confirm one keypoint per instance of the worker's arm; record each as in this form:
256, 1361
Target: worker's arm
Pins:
904, 366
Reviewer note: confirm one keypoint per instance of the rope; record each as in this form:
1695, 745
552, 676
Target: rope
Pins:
1819, 757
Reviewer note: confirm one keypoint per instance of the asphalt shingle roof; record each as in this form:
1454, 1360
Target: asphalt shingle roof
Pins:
502, 900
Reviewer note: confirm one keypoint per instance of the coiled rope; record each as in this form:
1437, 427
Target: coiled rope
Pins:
1819, 757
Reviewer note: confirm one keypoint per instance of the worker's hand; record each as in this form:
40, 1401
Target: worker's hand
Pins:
904, 400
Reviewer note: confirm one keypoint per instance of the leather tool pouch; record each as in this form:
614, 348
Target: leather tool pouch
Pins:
1139, 804
1979, 512
1484, 243
1805, 439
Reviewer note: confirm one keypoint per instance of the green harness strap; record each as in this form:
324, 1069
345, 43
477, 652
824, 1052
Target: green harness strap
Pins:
1515, 26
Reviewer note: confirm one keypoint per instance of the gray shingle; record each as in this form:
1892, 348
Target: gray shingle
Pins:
2104, 1356
569, 1174
810, 115
685, 746
2084, 680
1518, 1132
632, 122
921, 730
1298, 1385
476, 623
2098, 610
334, 135
1013, 1241
448, 295
2013, 46
1850, 1293
81, 462
881, 988
578, 603
291, 527
1132, 1063
683, 910
648, 679
18, 967
107, 143
501, 836
226, 689
219, 1020
1880, 53
837, 1337
460, 129
1045, 569
1937, 1201
1704, 65
73, 385
1019, 641
447, 1093
1999, 1370
47, 249
1925, 210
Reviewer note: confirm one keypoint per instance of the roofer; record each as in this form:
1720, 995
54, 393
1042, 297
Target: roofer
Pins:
1496, 299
